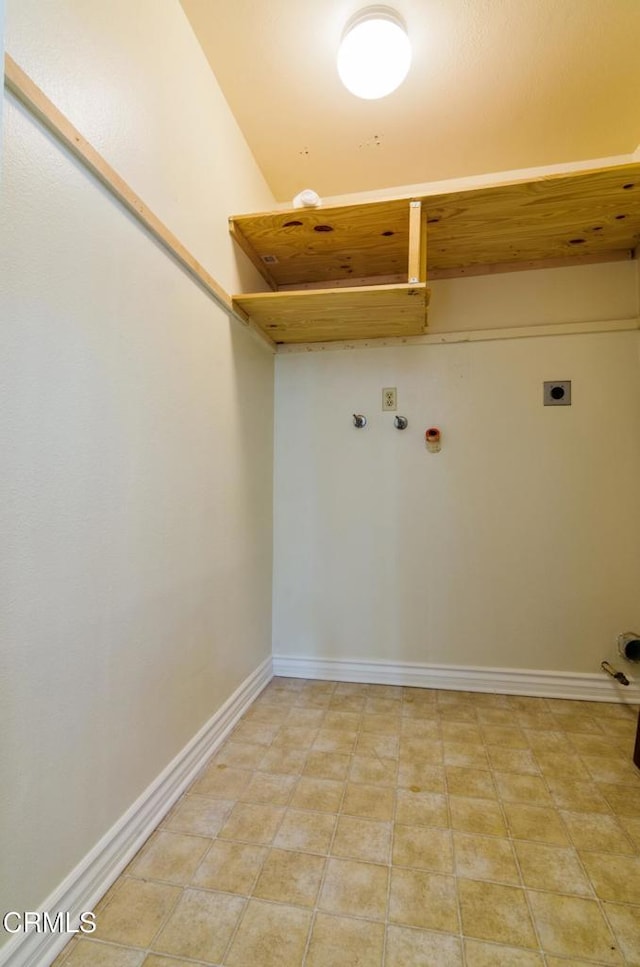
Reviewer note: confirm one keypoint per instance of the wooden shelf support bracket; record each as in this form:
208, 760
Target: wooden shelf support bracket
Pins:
417, 268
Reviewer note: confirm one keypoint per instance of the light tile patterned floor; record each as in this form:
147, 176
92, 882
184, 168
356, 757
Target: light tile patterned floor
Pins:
367, 825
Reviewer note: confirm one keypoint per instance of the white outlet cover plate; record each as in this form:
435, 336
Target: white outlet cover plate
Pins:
389, 398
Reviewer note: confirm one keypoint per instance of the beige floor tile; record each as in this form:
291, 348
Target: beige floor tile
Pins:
383, 724
369, 802
580, 797
295, 737
457, 714
485, 858
266, 714
416, 748
561, 766
381, 706
417, 808
200, 815
221, 782
240, 755
367, 769
467, 755
409, 947
421, 899
495, 716
428, 729
253, 823
578, 723
230, 867
342, 721
322, 795
374, 690
497, 913
482, 816
612, 769
270, 935
521, 761
461, 733
335, 740
522, 788
254, 733
347, 703
305, 718
327, 765
418, 712
625, 922
554, 868
290, 877
536, 823
491, 955
343, 942
536, 721
352, 888
597, 831
362, 839
470, 782
573, 927
423, 848
159, 960
631, 825
90, 953
614, 878
567, 962
267, 787
284, 761
380, 746
170, 857
592, 745
504, 737
201, 925
136, 912
624, 800
543, 741
421, 776
306, 831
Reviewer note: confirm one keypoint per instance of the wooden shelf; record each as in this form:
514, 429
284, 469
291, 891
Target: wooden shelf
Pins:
323, 315
340, 264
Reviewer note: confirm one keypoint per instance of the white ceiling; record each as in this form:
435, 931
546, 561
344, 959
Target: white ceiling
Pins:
495, 85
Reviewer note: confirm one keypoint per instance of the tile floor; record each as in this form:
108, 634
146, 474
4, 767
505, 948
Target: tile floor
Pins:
370, 825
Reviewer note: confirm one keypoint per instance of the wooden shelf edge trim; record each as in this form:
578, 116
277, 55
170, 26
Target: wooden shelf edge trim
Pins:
28, 93
473, 335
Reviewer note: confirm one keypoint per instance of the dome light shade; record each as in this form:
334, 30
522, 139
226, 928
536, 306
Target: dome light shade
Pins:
375, 53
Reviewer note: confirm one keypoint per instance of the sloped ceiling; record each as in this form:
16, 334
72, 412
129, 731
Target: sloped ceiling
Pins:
495, 85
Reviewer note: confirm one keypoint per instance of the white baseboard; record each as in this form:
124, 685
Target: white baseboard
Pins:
88, 882
465, 678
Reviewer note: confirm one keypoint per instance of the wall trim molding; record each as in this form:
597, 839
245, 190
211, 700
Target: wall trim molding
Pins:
466, 335
467, 678
92, 877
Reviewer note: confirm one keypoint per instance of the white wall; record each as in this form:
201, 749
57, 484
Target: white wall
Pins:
136, 433
517, 546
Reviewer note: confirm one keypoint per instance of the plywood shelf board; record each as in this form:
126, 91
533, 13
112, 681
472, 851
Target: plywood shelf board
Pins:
347, 313
591, 213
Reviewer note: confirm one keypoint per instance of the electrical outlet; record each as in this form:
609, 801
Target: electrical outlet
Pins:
389, 398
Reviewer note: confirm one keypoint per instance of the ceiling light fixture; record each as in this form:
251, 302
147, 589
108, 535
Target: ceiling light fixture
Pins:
375, 54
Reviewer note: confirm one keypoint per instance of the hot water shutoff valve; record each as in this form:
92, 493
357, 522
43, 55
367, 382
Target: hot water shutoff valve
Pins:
433, 439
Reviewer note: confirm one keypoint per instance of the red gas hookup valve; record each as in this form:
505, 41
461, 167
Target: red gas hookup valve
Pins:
433, 439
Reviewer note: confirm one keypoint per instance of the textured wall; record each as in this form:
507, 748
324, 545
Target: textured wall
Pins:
517, 546
135, 432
